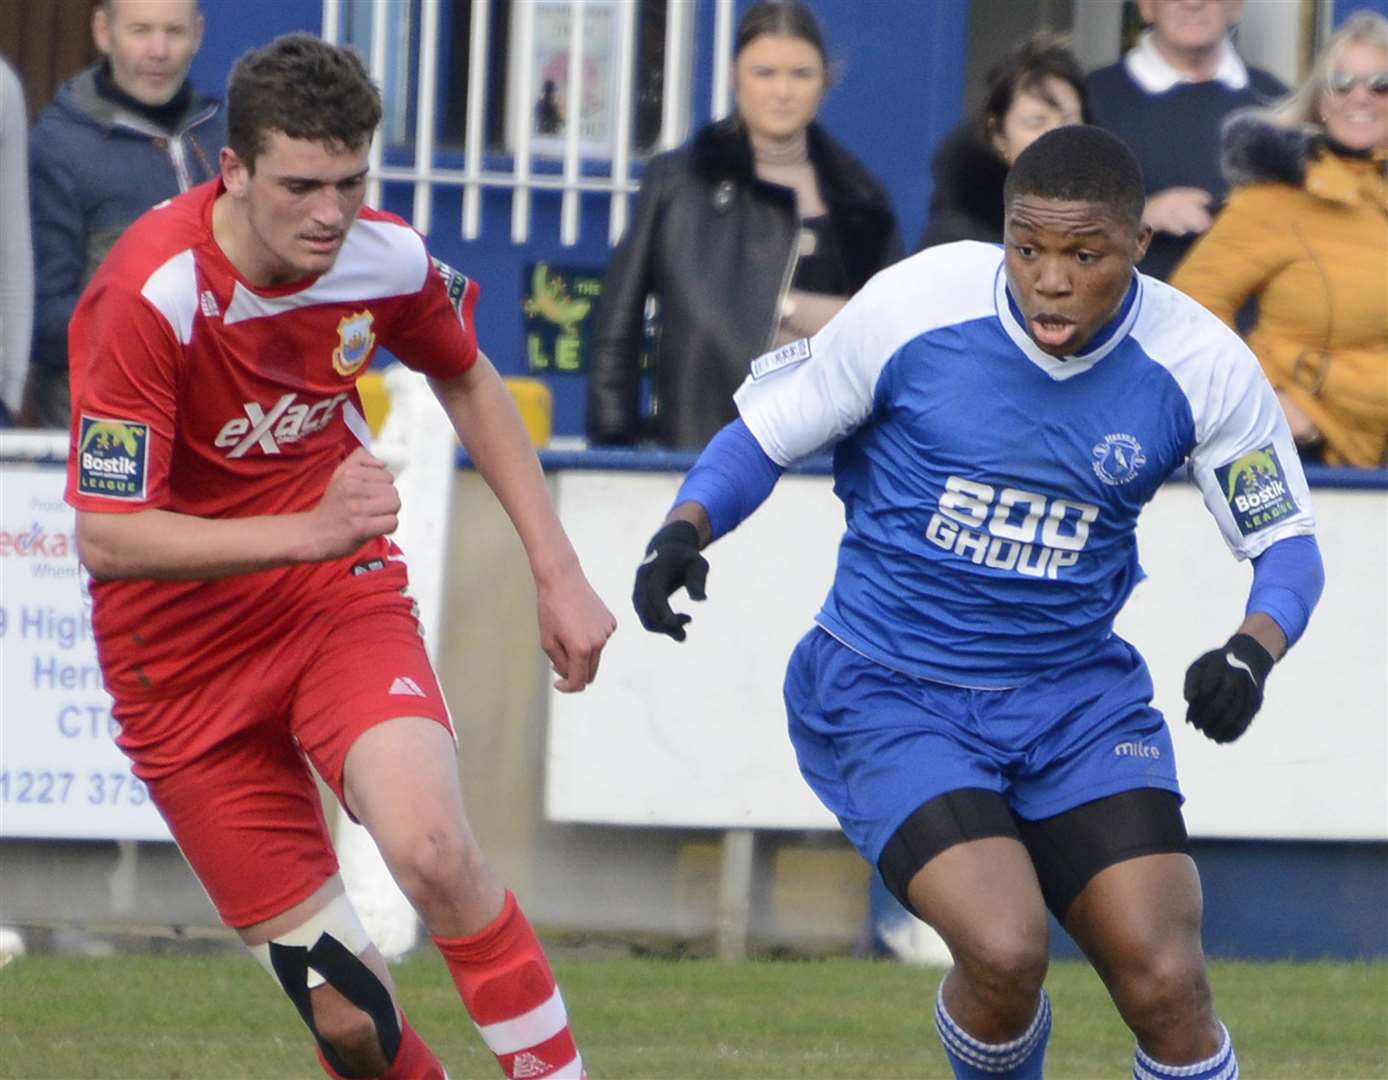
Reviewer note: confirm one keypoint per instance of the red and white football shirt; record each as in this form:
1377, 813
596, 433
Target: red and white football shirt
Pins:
195, 393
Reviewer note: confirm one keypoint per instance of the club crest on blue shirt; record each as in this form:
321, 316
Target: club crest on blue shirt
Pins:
1118, 459
1256, 488
792, 353
112, 456
354, 342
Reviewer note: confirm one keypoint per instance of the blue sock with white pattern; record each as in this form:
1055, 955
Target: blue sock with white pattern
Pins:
1223, 1066
1019, 1059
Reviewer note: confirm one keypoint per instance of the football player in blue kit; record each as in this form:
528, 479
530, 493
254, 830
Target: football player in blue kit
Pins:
999, 416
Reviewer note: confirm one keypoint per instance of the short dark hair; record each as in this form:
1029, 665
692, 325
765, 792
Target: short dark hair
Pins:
109, 6
1025, 70
1079, 163
303, 87
788, 18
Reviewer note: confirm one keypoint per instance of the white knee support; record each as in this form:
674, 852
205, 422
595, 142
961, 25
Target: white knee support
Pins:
338, 920
326, 949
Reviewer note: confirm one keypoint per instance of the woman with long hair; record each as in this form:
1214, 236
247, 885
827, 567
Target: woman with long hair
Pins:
752, 234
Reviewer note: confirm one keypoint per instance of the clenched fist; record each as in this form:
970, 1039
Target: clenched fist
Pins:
359, 503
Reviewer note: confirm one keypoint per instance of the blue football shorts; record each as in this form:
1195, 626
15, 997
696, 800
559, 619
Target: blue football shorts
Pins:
875, 744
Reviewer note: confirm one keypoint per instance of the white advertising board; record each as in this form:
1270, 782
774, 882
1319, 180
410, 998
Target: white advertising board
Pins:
694, 734
61, 774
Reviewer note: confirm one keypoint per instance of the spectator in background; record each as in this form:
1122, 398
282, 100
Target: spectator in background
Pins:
1036, 87
1316, 168
1167, 99
753, 234
119, 137
16, 250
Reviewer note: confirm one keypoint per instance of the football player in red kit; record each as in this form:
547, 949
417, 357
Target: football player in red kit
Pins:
251, 613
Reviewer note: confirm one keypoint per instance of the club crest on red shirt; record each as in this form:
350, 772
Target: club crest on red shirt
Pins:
354, 342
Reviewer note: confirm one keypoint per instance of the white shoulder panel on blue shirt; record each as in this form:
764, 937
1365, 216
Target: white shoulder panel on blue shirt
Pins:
812, 392
1244, 459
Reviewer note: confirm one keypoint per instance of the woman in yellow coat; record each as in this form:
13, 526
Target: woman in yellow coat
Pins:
1305, 232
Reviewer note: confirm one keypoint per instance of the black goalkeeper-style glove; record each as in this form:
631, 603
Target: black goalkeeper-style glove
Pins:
1224, 688
672, 559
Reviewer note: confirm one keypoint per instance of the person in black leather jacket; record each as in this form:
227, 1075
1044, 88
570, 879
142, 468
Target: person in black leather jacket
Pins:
752, 234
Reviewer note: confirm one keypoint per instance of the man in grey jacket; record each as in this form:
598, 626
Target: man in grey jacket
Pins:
119, 137
16, 251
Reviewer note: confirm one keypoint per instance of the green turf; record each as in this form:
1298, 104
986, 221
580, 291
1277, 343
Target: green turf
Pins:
217, 1015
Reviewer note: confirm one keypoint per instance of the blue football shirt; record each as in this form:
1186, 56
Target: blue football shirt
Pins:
991, 491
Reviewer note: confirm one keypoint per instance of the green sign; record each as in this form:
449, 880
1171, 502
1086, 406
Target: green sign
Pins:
558, 312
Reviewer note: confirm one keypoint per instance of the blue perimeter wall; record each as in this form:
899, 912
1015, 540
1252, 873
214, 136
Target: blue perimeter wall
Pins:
901, 72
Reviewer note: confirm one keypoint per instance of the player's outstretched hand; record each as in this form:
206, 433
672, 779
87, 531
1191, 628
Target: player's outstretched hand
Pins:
1224, 688
574, 626
672, 560
360, 502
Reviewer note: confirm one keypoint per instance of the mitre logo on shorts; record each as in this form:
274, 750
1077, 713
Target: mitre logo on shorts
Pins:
1256, 489
112, 458
354, 342
286, 421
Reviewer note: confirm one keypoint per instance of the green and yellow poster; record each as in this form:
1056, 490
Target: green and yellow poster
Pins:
558, 311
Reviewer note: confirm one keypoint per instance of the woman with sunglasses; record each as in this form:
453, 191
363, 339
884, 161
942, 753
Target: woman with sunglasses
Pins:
1305, 232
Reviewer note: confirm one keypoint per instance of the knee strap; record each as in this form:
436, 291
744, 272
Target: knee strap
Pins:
325, 949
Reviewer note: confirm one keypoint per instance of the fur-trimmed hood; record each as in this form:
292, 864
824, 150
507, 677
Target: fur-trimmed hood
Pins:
722, 151
967, 201
1259, 151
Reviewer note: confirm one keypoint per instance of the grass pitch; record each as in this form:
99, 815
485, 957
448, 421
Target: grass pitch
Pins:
218, 1015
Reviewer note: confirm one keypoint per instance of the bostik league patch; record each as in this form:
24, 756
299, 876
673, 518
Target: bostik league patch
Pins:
1256, 489
113, 458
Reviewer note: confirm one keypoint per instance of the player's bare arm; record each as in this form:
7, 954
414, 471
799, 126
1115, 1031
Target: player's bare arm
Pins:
574, 622
1264, 630
696, 515
360, 502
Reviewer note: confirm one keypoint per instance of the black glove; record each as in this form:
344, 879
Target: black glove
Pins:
672, 559
1224, 688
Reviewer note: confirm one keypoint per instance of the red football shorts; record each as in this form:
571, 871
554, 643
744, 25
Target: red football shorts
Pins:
227, 762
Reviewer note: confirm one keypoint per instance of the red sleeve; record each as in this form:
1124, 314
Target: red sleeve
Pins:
124, 369
437, 334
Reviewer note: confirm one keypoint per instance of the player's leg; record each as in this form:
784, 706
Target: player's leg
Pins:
1116, 873
957, 863
247, 816
380, 735
401, 782
918, 800
1099, 811
323, 958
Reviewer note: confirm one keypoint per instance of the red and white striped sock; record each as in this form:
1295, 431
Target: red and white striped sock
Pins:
413, 1060
508, 988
